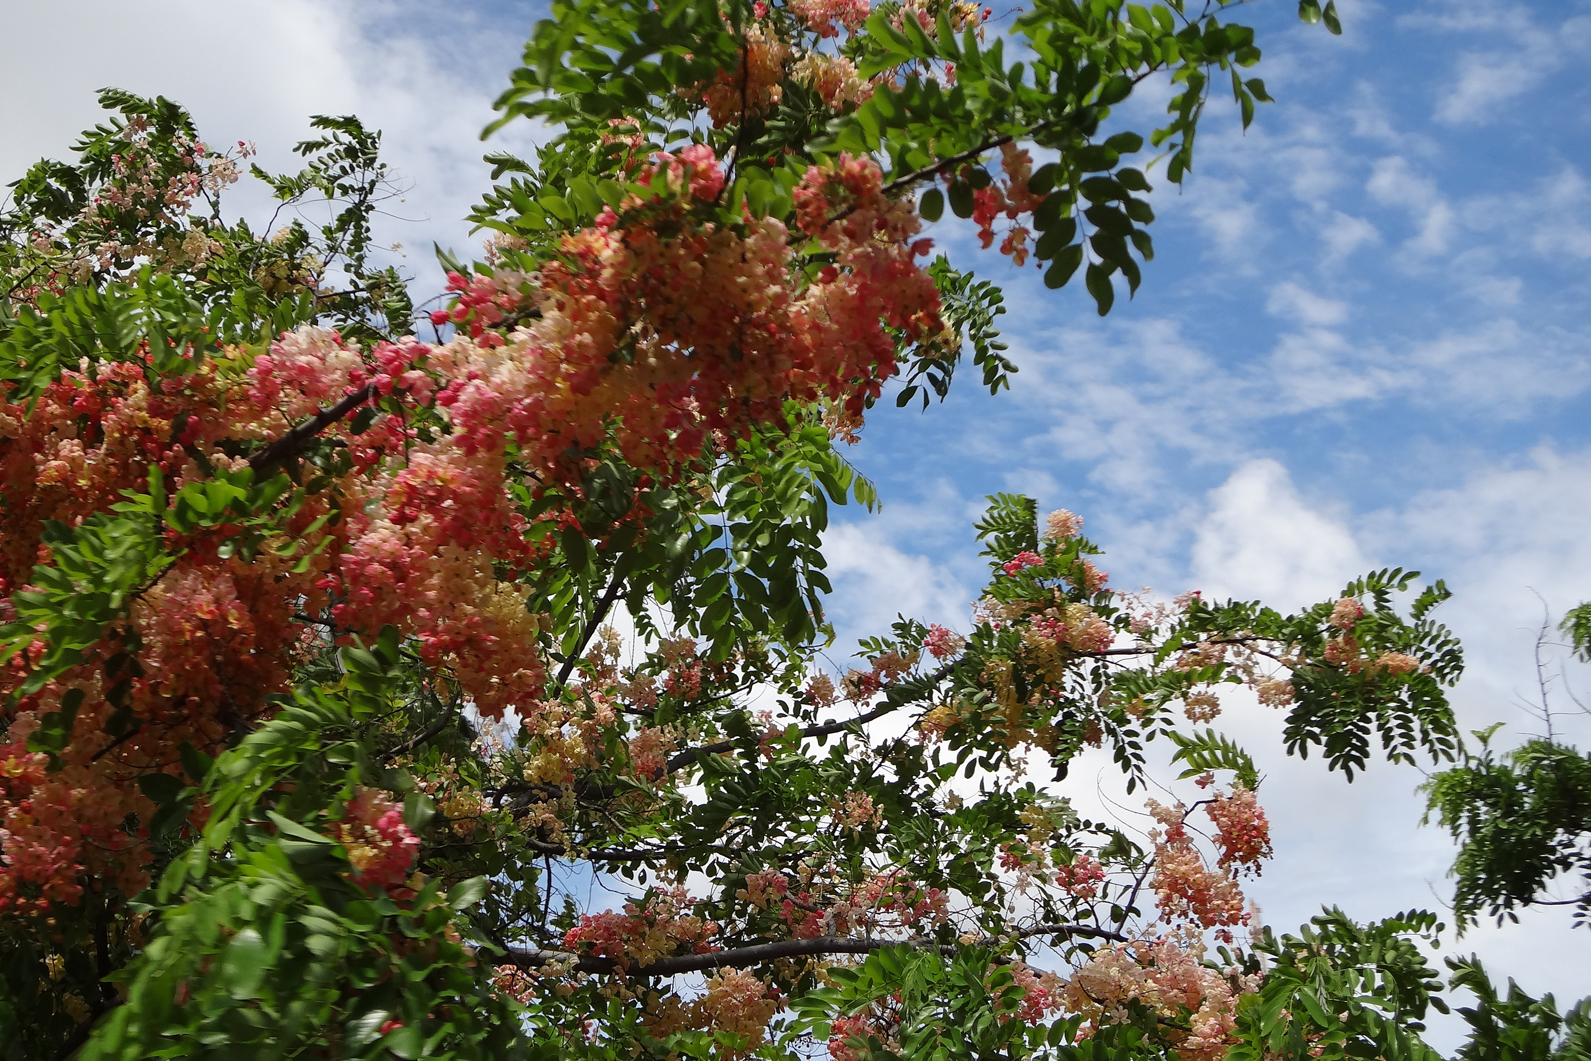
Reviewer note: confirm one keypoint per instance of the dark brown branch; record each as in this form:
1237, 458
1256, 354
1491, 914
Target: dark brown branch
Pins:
603, 605
419, 739
289, 444
760, 953
690, 755
132, 731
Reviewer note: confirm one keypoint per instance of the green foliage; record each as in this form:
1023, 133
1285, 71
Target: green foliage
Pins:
1010, 526
119, 323
1523, 820
1517, 1027
265, 947
84, 273
595, 61
968, 307
1339, 990
1210, 750
1577, 624
1341, 704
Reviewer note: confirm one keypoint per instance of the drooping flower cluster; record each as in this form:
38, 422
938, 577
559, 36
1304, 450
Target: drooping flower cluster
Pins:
658, 927
1082, 877
741, 1003
379, 845
942, 643
1010, 197
734, 96
821, 16
1241, 829
1168, 976
1185, 888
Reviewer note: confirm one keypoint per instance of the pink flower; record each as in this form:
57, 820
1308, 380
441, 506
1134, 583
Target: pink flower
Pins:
1021, 561
942, 643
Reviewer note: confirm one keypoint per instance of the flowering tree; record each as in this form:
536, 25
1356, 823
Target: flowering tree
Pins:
367, 696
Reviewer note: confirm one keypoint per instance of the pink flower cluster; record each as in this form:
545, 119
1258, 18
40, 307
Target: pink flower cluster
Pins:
1241, 829
1082, 878
1021, 561
1167, 976
480, 302
644, 932
820, 16
1042, 993
380, 846
1185, 888
942, 643
1010, 197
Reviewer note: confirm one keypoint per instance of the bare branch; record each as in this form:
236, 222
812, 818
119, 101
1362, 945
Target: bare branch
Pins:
759, 953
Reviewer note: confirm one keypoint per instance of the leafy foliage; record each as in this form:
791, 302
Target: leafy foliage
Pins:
322, 735
1523, 819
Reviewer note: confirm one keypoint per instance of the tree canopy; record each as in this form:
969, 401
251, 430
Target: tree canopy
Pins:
372, 696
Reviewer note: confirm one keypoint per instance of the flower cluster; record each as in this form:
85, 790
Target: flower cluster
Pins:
736, 95
644, 932
942, 643
741, 1003
1010, 197
1020, 562
1168, 976
1185, 888
820, 16
1241, 829
380, 847
1082, 877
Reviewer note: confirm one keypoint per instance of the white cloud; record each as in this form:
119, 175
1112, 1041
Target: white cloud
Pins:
1502, 365
257, 72
1395, 183
1290, 300
1229, 216
1261, 540
1485, 82
875, 581
1487, 78
1508, 532
1344, 234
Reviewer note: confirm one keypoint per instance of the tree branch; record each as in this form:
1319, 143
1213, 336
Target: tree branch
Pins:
608, 597
759, 953
690, 755
289, 444
409, 745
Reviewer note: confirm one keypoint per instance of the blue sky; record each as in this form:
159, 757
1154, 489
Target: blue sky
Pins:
1363, 342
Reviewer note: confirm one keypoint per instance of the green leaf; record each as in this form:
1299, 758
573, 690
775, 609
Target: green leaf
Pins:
961, 198
467, 893
244, 963
932, 205
195, 763
1097, 279
406, 1042
1065, 264
160, 788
